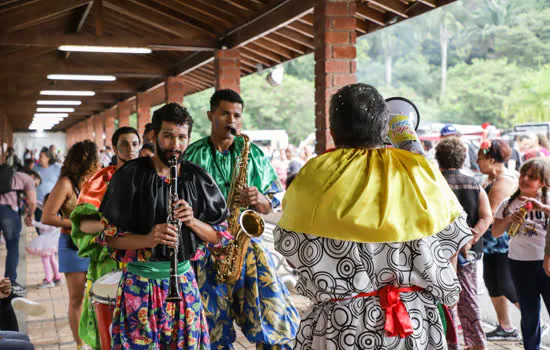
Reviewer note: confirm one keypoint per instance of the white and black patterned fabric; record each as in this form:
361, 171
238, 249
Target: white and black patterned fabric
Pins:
335, 269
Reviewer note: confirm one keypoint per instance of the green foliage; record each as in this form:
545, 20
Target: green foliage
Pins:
498, 52
530, 101
479, 91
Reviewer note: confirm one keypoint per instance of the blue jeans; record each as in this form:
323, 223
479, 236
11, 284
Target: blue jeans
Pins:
15, 341
10, 225
531, 283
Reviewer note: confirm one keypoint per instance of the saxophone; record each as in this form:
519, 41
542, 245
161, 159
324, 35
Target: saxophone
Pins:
243, 226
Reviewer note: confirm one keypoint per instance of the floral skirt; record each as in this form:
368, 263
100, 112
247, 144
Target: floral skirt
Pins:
144, 320
258, 302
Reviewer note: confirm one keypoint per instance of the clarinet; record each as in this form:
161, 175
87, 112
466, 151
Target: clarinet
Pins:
174, 294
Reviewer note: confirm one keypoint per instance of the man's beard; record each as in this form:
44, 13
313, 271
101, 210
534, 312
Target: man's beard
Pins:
162, 154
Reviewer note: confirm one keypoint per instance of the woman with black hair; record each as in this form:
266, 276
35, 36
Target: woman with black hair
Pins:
82, 161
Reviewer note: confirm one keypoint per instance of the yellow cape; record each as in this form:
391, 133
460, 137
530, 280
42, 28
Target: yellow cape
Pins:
382, 195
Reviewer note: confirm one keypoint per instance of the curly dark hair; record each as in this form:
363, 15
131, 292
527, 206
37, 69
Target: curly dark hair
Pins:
498, 150
82, 159
450, 153
358, 117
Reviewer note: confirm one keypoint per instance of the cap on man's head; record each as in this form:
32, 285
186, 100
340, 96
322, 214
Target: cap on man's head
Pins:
448, 129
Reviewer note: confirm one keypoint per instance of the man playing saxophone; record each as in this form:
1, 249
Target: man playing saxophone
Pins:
257, 301
140, 230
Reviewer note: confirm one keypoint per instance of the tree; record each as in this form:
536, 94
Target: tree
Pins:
478, 91
530, 100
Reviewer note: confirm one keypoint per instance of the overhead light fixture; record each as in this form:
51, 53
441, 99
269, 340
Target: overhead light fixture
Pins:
67, 93
51, 115
105, 49
46, 109
81, 77
59, 102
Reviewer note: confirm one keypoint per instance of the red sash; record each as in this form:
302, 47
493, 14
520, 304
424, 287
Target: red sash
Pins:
398, 322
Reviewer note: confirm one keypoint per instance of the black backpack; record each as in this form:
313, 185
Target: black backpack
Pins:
6, 178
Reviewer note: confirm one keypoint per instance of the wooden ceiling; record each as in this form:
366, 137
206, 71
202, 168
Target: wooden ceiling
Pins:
182, 33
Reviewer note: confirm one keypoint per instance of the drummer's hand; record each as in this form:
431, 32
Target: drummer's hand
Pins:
163, 234
184, 213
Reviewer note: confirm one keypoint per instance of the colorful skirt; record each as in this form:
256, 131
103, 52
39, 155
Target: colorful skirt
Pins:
258, 302
144, 320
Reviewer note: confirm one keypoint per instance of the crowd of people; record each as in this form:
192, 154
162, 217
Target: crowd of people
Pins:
386, 242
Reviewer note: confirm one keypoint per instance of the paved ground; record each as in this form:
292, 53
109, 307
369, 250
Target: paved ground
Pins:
51, 331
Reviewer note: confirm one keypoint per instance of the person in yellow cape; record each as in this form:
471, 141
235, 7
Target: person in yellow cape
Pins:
371, 231
86, 226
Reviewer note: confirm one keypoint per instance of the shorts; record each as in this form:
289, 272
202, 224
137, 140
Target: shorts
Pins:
498, 276
69, 261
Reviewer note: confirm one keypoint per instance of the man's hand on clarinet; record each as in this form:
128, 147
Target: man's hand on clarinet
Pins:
163, 234
184, 213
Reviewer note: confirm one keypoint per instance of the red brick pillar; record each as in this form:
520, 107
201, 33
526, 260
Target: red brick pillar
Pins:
334, 28
77, 131
90, 129
99, 126
143, 107
70, 136
110, 117
124, 111
80, 128
6, 135
174, 90
227, 67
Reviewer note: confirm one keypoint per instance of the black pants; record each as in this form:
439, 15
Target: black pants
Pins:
8, 320
531, 283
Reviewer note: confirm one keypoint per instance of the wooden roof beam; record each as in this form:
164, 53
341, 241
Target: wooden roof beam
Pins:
191, 62
261, 52
170, 10
297, 37
286, 43
253, 56
365, 12
81, 22
394, 6
275, 48
37, 39
20, 17
267, 22
156, 19
302, 28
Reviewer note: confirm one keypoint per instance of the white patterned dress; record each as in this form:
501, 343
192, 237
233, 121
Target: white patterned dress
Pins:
336, 269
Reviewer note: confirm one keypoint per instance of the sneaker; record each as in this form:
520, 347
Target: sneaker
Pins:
27, 306
501, 334
46, 284
59, 282
17, 288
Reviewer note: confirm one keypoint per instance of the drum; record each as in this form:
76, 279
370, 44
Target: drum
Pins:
103, 297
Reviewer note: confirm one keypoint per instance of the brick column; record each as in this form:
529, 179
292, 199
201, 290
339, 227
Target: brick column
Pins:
6, 135
174, 90
227, 67
143, 107
99, 126
110, 117
70, 136
334, 28
124, 111
90, 129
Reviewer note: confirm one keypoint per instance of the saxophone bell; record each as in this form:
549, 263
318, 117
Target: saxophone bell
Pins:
252, 223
